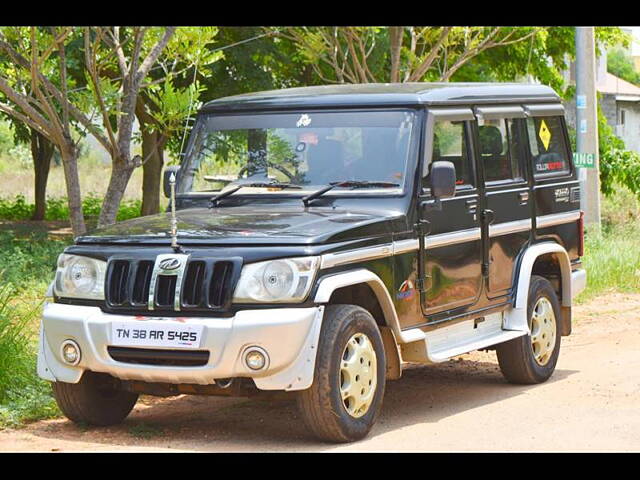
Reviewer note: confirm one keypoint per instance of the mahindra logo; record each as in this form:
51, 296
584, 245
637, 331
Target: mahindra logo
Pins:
169, 264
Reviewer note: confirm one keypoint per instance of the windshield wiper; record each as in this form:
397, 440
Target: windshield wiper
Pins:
216, 199
347, 183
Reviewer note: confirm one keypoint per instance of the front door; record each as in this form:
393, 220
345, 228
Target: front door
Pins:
452, 248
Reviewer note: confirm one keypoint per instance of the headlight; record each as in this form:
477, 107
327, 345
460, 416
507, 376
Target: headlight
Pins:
79, 277
286, 280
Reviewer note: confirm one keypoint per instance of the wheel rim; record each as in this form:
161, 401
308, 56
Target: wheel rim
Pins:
543, 331
358, 379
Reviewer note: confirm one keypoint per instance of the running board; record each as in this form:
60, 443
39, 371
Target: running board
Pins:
444, 343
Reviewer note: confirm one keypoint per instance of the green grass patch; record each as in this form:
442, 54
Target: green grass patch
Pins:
612, 254
18, 208
23, 395
145, 431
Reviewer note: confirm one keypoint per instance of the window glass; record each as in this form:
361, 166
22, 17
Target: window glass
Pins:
305, 149
547, 145
500, 150
449, 144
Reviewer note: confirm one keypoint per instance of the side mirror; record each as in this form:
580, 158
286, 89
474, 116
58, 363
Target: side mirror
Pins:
443, 179
166, 186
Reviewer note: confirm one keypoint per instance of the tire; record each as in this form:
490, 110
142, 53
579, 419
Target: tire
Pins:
321, 405
94, 400
520, 361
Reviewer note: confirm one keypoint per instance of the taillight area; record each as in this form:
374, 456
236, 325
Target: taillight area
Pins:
581, 234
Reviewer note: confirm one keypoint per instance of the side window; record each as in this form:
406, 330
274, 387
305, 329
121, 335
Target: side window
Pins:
500, 150
450, 144
547, 145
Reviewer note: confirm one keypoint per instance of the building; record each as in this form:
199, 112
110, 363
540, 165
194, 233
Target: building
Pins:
619, 101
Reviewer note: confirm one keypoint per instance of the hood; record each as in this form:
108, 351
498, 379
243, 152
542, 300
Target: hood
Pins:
272, 224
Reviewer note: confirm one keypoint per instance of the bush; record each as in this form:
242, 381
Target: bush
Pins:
58, 209
23, 395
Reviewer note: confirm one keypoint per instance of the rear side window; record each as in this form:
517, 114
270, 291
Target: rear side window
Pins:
450, 144
500, 150
547, 145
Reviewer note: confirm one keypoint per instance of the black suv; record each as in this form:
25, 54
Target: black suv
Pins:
320, 239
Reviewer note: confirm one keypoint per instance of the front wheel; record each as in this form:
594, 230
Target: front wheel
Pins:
94, 400
532, 358
345, 398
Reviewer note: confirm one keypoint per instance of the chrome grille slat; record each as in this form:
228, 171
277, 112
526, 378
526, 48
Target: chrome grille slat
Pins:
198, 284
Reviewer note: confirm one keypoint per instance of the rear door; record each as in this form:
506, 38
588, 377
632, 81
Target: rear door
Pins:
453, 247
508, 195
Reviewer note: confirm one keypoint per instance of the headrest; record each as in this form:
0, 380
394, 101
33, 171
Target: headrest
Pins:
490, 140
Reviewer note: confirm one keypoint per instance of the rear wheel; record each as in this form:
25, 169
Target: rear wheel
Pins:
345, 398
532, 358
94, 400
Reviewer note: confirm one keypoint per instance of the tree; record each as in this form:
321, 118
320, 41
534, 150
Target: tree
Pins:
136, 51
621, 65
41, 154
166, 103
396, 54
35, 91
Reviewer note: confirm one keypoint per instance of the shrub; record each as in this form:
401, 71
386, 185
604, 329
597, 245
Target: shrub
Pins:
58, 209
23, 395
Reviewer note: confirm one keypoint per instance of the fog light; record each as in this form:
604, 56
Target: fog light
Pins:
255, 358
70, 352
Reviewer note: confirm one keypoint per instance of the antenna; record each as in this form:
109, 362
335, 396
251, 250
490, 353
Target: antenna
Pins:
174, 219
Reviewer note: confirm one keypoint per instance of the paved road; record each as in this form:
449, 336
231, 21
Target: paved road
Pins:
590, 404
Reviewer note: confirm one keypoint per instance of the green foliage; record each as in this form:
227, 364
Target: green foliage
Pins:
544, 56
23, 395
58, 208
611, 253
621, 65
618, 166
29, 263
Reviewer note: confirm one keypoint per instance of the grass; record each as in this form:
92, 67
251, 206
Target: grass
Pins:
612, 254
23, 395
144, 431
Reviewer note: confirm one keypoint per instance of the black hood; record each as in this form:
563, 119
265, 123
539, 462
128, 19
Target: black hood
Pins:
256, 224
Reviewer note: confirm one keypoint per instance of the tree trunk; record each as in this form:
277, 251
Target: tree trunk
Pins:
41, 152
153, 155
69, 155
120, 175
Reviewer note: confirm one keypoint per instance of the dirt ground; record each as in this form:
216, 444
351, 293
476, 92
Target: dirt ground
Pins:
591, 403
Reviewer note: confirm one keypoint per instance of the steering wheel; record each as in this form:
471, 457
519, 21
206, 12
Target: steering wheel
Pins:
267, 163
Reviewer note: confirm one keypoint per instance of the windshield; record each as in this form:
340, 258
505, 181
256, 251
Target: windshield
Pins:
303, 150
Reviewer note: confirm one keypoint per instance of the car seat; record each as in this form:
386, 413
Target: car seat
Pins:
495, 164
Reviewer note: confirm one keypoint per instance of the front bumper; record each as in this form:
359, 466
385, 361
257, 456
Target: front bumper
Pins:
289, 336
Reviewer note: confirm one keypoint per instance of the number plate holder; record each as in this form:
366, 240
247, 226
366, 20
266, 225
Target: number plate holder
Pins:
156, 334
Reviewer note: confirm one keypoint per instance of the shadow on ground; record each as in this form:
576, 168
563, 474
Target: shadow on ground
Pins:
425, 394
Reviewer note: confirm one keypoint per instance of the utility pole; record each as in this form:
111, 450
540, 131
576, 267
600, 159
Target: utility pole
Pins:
587, 122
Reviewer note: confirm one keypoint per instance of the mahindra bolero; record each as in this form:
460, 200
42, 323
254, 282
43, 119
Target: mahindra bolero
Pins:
319, 239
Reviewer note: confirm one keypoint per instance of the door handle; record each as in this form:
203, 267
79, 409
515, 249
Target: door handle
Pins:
524, 197
472, 205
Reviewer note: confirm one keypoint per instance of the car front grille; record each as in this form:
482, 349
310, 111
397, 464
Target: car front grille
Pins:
154, 356
206, 285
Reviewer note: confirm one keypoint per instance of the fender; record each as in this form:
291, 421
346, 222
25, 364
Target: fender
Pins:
392, 335
516, 317
331, 283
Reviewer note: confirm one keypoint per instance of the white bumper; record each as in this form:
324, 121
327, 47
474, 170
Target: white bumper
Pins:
289, 336
578, 282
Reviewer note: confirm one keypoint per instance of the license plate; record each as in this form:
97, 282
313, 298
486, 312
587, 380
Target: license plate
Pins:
154, 334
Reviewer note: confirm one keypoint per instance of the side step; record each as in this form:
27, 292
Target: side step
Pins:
444, 343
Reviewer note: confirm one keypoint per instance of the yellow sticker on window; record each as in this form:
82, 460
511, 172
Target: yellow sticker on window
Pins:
544, 134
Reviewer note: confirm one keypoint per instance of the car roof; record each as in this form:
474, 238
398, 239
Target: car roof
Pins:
386, 94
